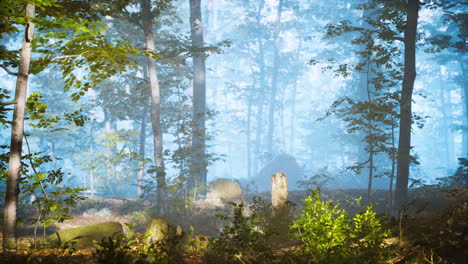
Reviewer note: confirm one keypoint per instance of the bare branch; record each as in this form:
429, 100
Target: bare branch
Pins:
8, 71
68, 56
8, 103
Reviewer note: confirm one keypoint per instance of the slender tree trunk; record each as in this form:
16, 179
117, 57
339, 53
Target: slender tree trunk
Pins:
261, 90
363, 87
444, 95
17, 130
394, 161
464, 87
248, 135
141, 153
274, 80
109, 152
155, 109
199, 162
91, 173
404, 141
369, 134
292, 121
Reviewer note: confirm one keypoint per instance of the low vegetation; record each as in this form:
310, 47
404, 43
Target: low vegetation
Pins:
321, 231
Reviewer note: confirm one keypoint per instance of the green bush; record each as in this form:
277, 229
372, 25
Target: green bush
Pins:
240, 242
328, 235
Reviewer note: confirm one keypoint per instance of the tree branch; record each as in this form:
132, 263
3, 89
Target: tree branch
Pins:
8, 103
68, 56
8, 71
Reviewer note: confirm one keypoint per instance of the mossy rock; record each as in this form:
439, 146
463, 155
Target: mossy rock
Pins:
83, 236
222, 191
159, 229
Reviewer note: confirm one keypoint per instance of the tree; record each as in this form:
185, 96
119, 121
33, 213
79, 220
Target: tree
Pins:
16, 144
87, 49
198, 160
147, 19
406, 120
372, 112
274, 79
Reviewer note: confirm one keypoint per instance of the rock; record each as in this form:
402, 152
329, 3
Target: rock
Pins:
83, 236
282, 162
223, 190
95, 212
159, 229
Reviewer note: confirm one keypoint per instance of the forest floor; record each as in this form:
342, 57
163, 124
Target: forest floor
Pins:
202, 218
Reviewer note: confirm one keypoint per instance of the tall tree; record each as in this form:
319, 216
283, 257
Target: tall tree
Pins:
409, 75
17, 129
199, 162
274, 79
147, 17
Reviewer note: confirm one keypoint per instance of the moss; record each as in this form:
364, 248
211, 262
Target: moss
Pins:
83, 236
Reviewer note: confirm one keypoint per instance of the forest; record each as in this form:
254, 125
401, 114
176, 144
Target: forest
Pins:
234, 131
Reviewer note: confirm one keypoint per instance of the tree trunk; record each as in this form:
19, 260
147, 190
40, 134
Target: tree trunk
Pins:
109, 153
199, 162
141, 154
91, 173
17, 130
248, 135
365, 79
449, 159
464, 88
292, 121
404, 141
261, 89
279, 206
155, 109
274, 79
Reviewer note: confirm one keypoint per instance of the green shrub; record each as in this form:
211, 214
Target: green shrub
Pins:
240, 242
328, 235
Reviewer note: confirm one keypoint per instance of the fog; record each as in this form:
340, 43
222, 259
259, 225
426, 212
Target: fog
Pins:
250, 132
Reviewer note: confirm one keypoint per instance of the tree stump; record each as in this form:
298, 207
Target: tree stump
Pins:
279, 198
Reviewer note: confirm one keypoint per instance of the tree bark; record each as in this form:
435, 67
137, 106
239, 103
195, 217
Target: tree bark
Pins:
109, 152
248, 136
409, 75
279, 206
17, 130
464, 88
261, 90
274, 79
141, 154
155, 109
199, 162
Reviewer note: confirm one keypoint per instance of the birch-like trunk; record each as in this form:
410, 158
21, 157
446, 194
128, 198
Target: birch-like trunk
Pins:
199, 162
155, 109
17, 130
141, 154
274, 79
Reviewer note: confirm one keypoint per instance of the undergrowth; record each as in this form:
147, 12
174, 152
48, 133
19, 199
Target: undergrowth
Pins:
322, 232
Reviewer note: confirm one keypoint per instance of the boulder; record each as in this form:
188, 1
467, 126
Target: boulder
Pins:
84, 236
282, 162
159, 229
221, 191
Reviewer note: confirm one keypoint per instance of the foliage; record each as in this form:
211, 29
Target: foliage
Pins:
240, 242
53, 200
328, 235
459, 179
131, 249
4, 96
